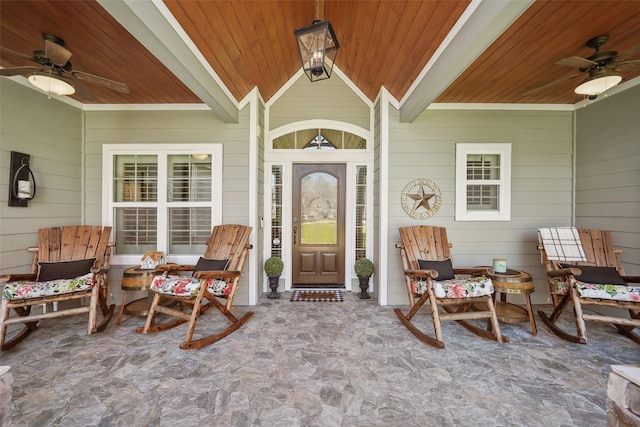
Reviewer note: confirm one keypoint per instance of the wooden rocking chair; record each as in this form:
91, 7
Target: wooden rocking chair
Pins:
583, 268
430, 276
216, 276
70, 263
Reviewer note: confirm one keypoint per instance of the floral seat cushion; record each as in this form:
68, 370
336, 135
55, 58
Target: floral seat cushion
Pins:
594, 290
22, 290
456, 288
187, 286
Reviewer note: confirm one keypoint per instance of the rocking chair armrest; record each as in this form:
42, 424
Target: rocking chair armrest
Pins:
420, 274
6, 278
564, 272
222, 274
631, 279
171, 267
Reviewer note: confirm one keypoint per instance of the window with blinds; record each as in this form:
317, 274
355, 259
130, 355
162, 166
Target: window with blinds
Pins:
189, 181
483, 182
361, 212
276, 211
163, 201
136, 187
483, 168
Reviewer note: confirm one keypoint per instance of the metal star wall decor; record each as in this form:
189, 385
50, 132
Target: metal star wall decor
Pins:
421, 198
420, 203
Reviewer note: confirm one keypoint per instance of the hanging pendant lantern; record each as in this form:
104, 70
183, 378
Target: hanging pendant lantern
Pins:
318, 48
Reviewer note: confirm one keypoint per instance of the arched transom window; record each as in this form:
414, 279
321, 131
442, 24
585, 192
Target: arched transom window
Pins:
320, 139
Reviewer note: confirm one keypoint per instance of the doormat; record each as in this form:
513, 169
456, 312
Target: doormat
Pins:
316, 295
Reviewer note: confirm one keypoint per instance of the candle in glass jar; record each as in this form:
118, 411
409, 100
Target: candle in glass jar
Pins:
500, 265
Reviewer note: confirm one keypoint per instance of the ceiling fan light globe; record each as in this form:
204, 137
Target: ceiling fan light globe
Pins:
51, 84
597, 85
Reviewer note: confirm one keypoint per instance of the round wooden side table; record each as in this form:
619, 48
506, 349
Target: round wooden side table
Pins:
514, 282
135, 279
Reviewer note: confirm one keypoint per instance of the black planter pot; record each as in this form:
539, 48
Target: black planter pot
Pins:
364, 285
273, 284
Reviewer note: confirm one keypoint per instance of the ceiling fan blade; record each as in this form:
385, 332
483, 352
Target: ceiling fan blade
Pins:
627, 65
629, 53
13, 52
82, 91
576, 62
553, 83
111, 84
56, 53
16, 71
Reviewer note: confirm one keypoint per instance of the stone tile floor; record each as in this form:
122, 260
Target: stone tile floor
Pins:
348, 363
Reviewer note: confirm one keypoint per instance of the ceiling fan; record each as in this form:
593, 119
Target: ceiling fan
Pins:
601, 68
54, 73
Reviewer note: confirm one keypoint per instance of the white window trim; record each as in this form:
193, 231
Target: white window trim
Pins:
109, 151
503, 213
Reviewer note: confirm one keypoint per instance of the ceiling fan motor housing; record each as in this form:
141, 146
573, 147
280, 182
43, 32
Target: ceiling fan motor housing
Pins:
52, 38
602, 59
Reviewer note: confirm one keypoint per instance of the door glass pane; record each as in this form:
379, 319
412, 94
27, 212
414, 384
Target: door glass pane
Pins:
318, 207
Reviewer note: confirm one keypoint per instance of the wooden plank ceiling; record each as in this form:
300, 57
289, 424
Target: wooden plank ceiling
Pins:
524, 57
383, 43
99, 44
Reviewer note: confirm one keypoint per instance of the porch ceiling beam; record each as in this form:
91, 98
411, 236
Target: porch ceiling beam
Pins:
147, 23
480, 25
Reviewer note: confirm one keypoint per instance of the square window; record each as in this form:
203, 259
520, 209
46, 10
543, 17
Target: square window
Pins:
483, 182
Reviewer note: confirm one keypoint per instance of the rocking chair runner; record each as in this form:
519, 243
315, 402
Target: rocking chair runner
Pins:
583, 268
228, 245
70, 263
430, 277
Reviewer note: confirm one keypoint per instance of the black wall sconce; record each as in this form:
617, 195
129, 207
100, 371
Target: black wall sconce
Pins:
22, 186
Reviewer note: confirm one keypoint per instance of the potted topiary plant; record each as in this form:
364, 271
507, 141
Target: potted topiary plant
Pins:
273, 269
364, 270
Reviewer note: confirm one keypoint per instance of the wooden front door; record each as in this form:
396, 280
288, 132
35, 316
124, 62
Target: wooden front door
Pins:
318, 213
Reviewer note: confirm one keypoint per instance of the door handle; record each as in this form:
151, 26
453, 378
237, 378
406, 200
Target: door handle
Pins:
295, 235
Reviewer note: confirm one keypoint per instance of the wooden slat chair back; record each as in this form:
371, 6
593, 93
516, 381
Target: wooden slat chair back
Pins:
230, 242
431, 244
599, 251
61, 244
74, 243
227, 242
